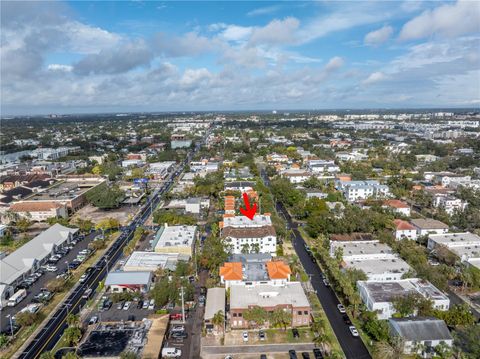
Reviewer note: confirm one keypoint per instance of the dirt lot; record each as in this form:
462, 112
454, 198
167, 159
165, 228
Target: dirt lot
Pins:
124, 214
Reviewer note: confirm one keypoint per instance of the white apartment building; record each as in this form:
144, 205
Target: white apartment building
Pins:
296, 175
429, 226
259, 220
379, 296
464, 245
322, 166
175, 239
375, 259
404, 230
351, 156
160, 169
449, 204
360, 190
250, 239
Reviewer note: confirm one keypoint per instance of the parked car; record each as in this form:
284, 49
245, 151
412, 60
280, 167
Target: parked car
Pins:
182, 335
317, 353
83, 278
353, 330
146, 303
341, 308
245, 336
170, 352
51, 268
305, 355
261, 335
326, 283
93, 320
292, 354
176, 316
140, 304
177, 328
120, 305
127, 305
295, 333
346, 319
131, 318
151, 306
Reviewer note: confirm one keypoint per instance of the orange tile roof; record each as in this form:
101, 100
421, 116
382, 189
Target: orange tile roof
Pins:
34, 206
231, 271
395, 203
278, 270
403, 225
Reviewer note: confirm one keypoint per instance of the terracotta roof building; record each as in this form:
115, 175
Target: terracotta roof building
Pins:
404, 230
40, 211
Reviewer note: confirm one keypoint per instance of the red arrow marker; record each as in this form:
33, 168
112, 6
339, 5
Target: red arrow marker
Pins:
248, 211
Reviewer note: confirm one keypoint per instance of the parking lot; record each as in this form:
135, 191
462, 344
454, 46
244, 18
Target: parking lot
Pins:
42, 281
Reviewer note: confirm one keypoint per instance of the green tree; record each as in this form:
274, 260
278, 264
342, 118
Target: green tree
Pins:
47, 355
457, 315
70, 355
3, 340
128, 355
85, 225
218, 319
280, 318
73, 320
26, 319
23, 224
255, 315
105, 197
405, 305
466, 341
72, 335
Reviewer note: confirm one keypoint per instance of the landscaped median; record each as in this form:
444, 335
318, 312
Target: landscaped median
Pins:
21, 338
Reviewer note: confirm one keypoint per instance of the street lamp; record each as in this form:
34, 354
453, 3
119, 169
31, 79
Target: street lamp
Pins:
9, 316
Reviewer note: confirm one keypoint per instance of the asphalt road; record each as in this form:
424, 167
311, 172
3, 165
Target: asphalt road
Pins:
352, 347
43, 280
46, 338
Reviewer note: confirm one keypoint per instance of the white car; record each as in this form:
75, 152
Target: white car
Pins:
245, 336
353, 330
151, 306
341, 308
126, 306
83, 278
51, 268
93, 320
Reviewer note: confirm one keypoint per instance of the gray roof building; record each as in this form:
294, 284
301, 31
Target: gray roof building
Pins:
215, 302
420, 329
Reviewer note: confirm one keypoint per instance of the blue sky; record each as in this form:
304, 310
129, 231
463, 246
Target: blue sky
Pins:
102, 56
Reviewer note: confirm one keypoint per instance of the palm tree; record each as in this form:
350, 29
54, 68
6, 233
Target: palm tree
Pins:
72, 335
73, 320
218, 318
280, 318
47, 355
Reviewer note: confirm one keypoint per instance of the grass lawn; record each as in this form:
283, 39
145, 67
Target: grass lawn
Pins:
24, 333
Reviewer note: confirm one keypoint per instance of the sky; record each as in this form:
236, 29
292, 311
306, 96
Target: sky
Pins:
133, 56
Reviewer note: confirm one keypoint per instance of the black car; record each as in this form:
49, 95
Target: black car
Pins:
73, 265
295, 333
23, 285
305, 355
10, 329
346, 319
176, 335
317, 353
131, 318
292, 354
140, 304
263, 356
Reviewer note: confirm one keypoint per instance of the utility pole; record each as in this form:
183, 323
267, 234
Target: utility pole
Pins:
183, 304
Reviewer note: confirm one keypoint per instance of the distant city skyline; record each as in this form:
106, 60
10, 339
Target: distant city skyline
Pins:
97, 57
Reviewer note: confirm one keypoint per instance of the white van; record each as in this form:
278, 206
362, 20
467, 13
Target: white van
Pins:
17, 298
171, 353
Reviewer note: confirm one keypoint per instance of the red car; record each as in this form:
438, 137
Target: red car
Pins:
177, 316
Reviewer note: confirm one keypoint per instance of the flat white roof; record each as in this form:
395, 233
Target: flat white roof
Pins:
128, 278
267, 295
354, 248
175, 236
379, 266
242, 221
215, 302
153, 260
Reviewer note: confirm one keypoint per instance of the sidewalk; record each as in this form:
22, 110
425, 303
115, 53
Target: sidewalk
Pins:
207, 351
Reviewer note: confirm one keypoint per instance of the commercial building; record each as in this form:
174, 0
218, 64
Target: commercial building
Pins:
214, 304
175, 239
194, 205
259, 220
359, 190
375, 259
151, 261
322, 166
254, 269
379, 296
420, 335
160, 170
241, 186
121, 281
466, 246
29, 257
289, 297
40, 211
429, 226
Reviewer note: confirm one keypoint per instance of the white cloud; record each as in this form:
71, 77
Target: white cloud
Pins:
60, 67
264, 10
379, 36
236, 33
447, 20
193, 76
374, 77
334, 63
276, 32
85, 39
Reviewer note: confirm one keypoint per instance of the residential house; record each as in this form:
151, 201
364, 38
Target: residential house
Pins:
429, 226
404, 230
